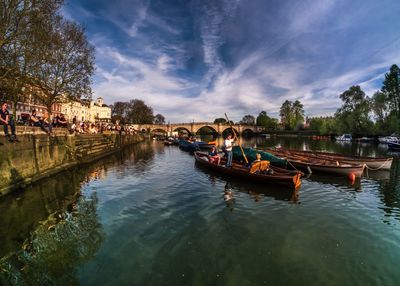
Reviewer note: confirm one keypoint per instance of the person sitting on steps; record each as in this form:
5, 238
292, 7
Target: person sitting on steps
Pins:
6, 120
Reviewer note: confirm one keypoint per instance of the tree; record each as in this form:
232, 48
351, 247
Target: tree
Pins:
22, 30
159, 119
220, 120
391, 88
286, 115
119, 111
248, 120
139, 112
298, 113
265, 121
324, 125
67, 64
353, 116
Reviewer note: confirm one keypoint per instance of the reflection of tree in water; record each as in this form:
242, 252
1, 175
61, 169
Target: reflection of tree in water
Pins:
56, 248
390, 191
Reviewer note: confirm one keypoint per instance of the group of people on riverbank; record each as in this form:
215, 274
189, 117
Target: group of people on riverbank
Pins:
47, 124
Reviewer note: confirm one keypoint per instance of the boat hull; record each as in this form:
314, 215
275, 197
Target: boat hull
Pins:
280, 176
373, 163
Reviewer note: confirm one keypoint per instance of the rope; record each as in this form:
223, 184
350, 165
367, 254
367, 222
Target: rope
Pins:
380, 167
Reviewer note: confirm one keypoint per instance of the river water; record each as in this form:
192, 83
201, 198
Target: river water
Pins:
150, 216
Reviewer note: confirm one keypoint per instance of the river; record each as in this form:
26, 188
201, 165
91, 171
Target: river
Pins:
149, 216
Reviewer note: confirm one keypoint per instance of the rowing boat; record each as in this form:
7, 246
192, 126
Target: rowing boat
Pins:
278, 176
320, 165
373, 163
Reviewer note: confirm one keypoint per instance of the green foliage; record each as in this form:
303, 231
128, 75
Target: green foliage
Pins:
324, 125
220, 120
292, 114
353, 116
248, 120
133, 112
267, 122
391, 88
159, 119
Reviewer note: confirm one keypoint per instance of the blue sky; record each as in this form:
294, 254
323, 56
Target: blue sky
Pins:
196, 60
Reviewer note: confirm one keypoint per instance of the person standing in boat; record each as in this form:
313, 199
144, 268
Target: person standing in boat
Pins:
228, 150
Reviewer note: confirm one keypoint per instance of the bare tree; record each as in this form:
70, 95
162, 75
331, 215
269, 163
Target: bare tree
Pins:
67, 64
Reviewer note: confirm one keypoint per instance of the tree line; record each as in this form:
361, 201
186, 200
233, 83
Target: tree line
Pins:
135, 111
43, 56
363, 115
358, 115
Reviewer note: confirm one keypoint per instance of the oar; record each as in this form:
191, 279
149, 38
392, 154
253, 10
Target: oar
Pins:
240, 145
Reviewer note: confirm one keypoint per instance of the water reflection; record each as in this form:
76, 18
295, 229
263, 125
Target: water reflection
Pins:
22, 212
56, 248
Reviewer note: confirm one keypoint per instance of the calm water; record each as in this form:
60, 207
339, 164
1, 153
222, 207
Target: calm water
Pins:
150, 216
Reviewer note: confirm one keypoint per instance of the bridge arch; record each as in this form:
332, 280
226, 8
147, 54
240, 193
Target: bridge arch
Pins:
202, 128
228, 130
158, 130
248, 131
180, 128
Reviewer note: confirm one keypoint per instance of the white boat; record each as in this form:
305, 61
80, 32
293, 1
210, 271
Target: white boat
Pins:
344, 137
388, 139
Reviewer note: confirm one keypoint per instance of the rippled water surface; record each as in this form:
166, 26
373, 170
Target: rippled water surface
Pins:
158, 219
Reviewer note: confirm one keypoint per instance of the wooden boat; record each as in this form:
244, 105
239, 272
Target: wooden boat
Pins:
279, 176
373, 163
394, 146
320, 165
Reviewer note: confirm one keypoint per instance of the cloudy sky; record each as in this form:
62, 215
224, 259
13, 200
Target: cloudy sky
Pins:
196, 59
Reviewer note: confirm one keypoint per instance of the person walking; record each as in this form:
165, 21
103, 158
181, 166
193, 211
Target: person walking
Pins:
6, 120
228, 150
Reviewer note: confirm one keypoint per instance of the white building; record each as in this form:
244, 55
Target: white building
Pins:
92, 112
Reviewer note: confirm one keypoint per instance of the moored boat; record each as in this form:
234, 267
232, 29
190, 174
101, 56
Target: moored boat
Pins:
373, 163
394, 146
388, 139
344, 137
320, 165
291, 179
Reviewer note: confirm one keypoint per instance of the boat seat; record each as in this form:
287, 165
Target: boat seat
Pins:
259, 167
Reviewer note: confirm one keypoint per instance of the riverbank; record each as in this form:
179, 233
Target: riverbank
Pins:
38, 155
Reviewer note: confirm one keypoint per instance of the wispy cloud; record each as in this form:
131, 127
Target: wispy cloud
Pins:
195, 60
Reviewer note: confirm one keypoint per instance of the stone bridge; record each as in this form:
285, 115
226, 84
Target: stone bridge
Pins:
194, 127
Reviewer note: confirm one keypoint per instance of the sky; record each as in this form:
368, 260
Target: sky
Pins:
198, 59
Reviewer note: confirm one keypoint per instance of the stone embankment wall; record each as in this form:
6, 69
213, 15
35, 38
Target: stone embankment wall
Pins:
38, 155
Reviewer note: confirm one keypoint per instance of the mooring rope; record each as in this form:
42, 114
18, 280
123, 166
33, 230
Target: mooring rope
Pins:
380, 167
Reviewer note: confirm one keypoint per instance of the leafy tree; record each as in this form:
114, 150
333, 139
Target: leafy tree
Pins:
248, 120
391, 88
353, 116
159, 119
119, 111
298, 113
286, 115
220, 120
324, 125
265, 121
139, 112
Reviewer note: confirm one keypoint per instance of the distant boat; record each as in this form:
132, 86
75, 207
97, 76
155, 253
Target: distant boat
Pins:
388, 139
394, 146
344, 137
366, 139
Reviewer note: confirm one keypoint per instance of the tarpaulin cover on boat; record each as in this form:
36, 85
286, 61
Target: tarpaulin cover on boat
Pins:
251, 156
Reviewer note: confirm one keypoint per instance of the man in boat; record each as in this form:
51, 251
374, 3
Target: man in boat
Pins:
228, 150
213, 156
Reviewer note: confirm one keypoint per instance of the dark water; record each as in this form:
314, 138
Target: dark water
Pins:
150, 216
